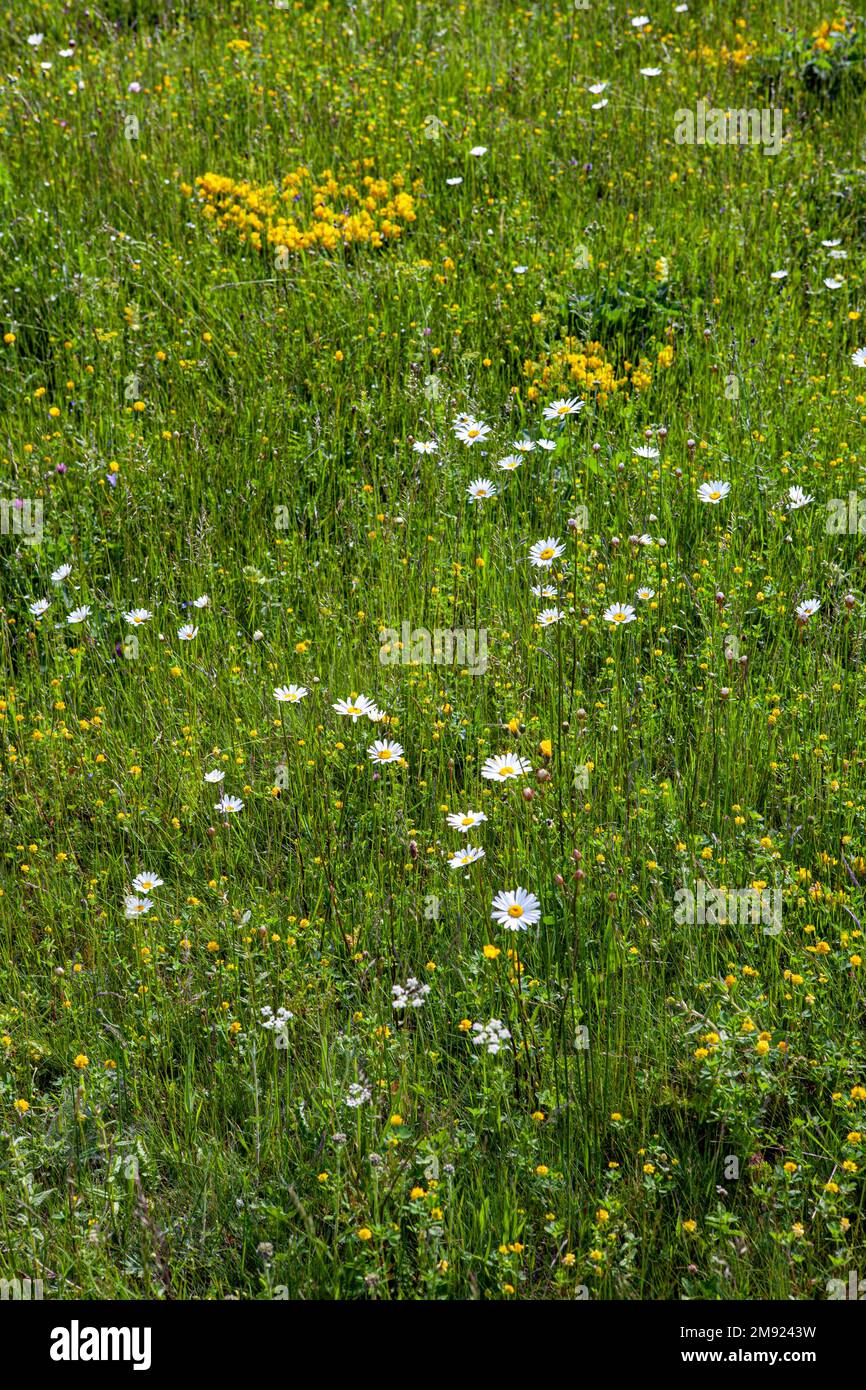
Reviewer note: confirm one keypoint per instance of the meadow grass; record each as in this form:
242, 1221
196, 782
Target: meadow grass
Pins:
249, 262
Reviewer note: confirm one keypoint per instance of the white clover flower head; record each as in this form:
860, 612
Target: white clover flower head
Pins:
409, 996
492, 1035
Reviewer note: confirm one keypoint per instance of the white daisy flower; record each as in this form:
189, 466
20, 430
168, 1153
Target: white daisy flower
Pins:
778, 274
597, 88
619, 614
480, 489
509, 463
464, 821
858, 358
645, 451
79, 615
505, 766
216, 774
516, 909
384, 750
807, 609
463, 857
425, 446
136, 616
548, 616
544, 590
229, 805
478, 150
63, 572
548, 444
290, 694
543, 553
136, 907
566, 405
201, 602
650, 72
797, 498
646, 594
187, 633
472, 432
146, 882
40, 606
713, 492
355, 709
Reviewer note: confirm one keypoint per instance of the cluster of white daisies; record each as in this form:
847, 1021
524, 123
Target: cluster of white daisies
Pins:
136, 617
137, 903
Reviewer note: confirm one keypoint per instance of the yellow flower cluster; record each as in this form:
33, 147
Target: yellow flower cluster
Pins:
573, 364
585, 366
826, 32
306, 213
742, 52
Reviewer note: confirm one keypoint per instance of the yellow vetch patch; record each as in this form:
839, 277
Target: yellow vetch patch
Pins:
308, 213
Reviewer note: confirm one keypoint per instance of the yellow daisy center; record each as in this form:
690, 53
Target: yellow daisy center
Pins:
515, 910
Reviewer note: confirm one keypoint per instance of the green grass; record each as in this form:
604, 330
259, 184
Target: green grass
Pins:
200, 416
